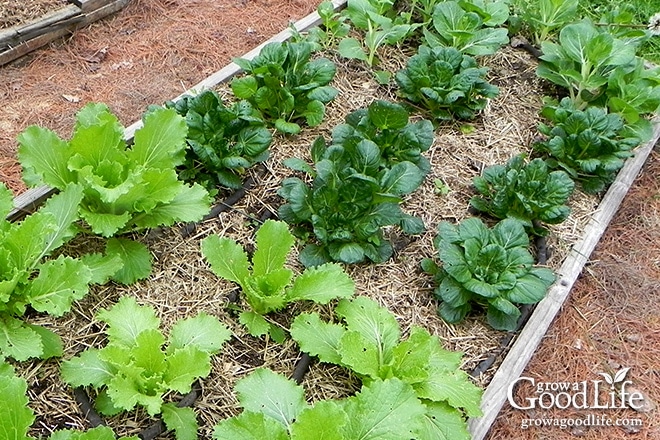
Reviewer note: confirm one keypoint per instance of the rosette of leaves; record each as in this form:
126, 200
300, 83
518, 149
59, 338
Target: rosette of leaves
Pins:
387, 125
368, 342
545, 17
275, 408
139, 366
223, 141
583, 60
352, 197
529, 192
491, 268
267, 284
124, 188
286, 85
470, 27
446, 83
28, 278
590, 145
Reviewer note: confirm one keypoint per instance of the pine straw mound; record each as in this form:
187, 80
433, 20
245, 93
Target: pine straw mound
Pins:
13, 12
182, 285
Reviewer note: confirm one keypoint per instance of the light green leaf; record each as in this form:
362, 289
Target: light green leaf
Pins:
98, 136
184, 366
203, 331
126, 320
322, 284
352, 48
376, 323
250, 426
324, 421
86, 369
105, 224
64, 207
256, 324
161, 140
190, 204
18, 340
227, 258
360, 354
274, 242
50, 341
17, 417
44, 157
442, 422
244, 88
182, 421
102, 267
271, 394
59, 283
318, 338
383, 410
453, 387
287, 127
135, 256
402, 178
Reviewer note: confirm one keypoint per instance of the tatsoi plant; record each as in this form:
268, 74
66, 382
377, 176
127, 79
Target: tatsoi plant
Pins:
590, 145
583, 60
29, 279
267, 284
467, 27
124, 188
138, 366
633, 92
387, 125
529, 192
223, 141
286, 85
446, 83
333, 26
491, 268
349, 202
275, 408
544, 17
374, 18
369, 343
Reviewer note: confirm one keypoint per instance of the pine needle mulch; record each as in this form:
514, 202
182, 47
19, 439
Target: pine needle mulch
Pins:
182, 285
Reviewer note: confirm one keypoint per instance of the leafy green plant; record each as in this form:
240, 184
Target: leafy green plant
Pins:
286, 85
134, 369
124, 189
583, 60
489, 267
268, 286
544, 17
351, 198
371, 16
275, 409
369, 343
222, 141
97, 433
590, 145
446, 82
528, 192
17, 417
461, 25
388, 125
333, 26
29, 279
634, 91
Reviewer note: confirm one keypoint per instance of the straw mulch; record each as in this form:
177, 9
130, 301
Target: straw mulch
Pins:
13, 12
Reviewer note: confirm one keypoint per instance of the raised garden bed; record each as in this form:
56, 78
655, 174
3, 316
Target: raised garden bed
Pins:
182, 284
30, 25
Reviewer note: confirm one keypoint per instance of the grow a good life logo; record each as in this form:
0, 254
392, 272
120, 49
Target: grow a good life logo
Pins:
609, 393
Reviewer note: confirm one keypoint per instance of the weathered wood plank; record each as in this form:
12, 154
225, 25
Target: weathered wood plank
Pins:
28, 46
16, 34
531, 335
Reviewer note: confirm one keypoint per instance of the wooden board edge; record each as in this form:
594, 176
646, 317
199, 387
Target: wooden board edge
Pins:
538, 324
25, 202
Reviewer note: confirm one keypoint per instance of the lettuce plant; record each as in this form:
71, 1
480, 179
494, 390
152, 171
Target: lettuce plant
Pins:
275, 408
446, 83
590, 145
349, 201
387, 125
467, 27
267, 284
134, 369
223, 141
29, 279
369, 343
528, 192
124, 188
491, 268
286, 85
